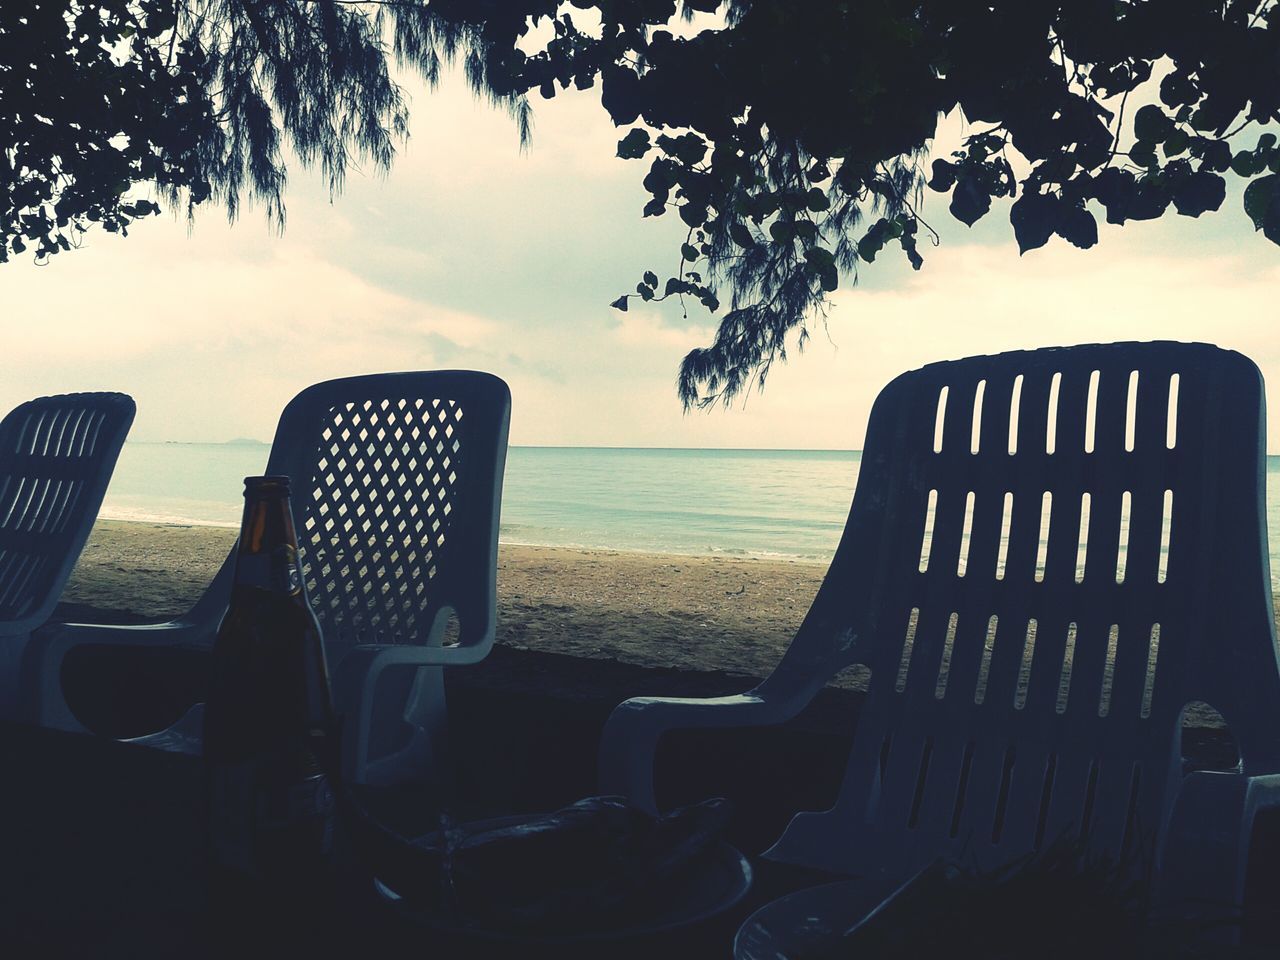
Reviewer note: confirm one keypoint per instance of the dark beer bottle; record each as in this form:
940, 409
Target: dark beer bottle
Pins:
269, 732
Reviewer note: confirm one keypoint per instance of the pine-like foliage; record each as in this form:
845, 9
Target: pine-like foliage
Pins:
789, 137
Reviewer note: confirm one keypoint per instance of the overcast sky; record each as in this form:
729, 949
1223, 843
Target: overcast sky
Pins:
471, 254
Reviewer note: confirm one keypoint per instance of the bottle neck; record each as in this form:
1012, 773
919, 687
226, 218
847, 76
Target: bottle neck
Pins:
267, 553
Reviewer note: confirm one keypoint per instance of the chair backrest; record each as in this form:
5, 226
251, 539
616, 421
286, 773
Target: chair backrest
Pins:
1049, 554
397, 482
56, 458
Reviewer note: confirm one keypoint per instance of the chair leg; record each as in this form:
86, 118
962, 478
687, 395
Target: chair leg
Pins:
425, 757
1205, 862
12, 651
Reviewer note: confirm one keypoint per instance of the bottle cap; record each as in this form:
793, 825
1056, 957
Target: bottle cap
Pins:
267, 485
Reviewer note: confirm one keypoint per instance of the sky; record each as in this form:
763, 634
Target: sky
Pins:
473, 254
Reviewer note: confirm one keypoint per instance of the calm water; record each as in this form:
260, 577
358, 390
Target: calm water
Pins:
766, 503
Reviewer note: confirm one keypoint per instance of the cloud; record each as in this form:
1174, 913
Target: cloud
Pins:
471, 255
648, 330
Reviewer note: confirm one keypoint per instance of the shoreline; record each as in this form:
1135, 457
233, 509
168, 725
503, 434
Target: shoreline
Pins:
185, 522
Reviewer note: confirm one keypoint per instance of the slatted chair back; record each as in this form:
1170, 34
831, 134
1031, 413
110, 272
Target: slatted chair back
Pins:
1049, 554
396, 482
56, 459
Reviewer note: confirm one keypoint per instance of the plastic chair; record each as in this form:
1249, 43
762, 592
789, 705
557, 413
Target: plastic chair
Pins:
1049, 555
397, 484
56, 459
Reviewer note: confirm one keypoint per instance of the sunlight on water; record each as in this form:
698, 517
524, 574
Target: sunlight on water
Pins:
762, 503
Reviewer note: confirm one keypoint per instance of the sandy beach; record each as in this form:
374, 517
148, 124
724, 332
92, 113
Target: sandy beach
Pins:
704, 613
653, 610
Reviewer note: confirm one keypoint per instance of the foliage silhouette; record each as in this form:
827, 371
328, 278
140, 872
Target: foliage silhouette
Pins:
790, 138
198, 97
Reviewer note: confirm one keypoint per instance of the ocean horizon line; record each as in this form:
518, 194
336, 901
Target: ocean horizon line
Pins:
248, 441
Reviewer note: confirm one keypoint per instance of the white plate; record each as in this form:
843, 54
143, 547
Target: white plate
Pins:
717, 885
782, 929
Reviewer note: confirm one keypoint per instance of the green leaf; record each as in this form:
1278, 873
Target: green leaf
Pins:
689, 149
816, 200
741, 235
159, 21
820, 257
1177, 89
1078, 227
1217, 156
1202, 120
1033, 216
689, 251
1198, 193
944, 176
662, 176
969, 201
1151, 123
782, 231
829, 278
869, 246
1143, 153
693, 214
620, 303
1244, 164
1260, 198
1176, 143
634, 145
650, 278
908, 243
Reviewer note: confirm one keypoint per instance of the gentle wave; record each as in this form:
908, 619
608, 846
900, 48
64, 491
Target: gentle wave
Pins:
165, 519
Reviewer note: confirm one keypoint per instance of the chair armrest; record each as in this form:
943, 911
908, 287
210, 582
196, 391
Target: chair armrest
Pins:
418, 655
629, 742
355, 676
42, 698
1205, 856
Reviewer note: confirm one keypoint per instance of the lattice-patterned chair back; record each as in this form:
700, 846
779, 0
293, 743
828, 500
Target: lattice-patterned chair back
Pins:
56, 459
396, 487
1049, 554
396, 493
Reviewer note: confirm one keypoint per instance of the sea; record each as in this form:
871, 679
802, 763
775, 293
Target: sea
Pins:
780, 504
